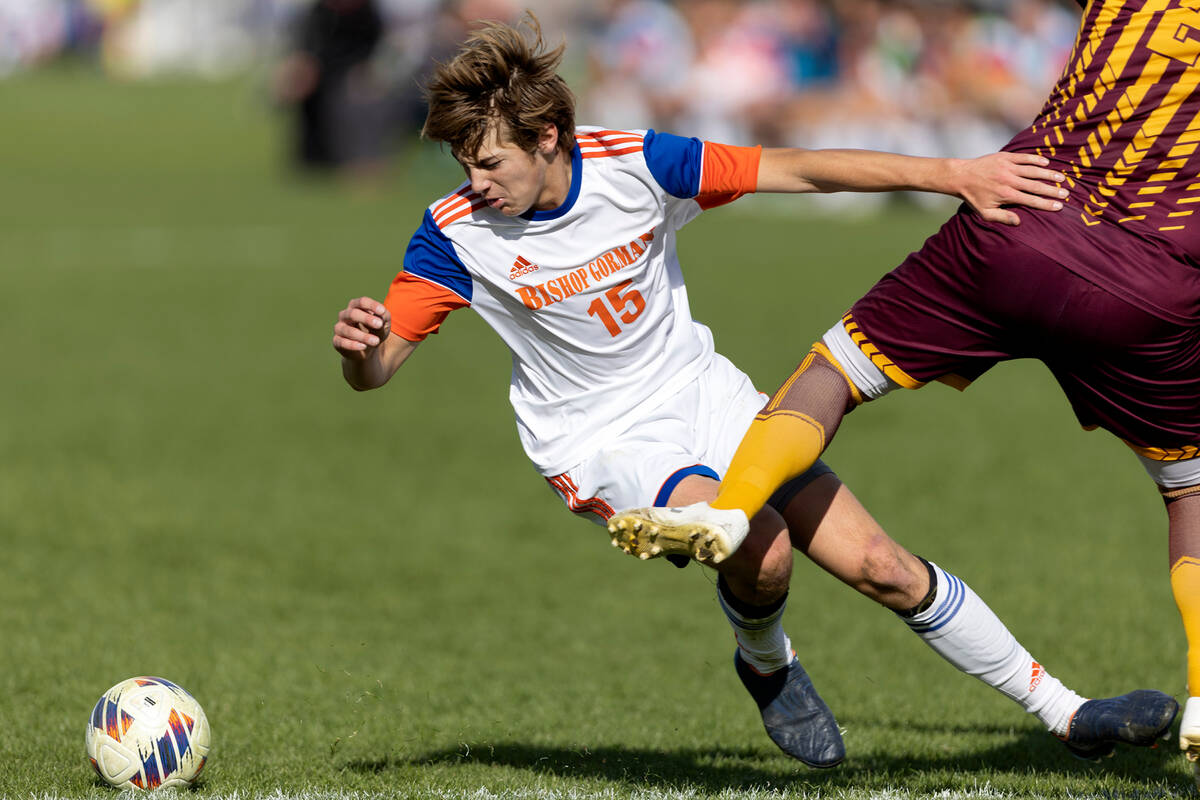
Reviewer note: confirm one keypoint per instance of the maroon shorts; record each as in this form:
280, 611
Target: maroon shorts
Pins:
971, 297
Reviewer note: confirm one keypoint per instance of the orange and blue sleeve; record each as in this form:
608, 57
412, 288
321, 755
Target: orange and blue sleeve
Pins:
711, 173
434, 283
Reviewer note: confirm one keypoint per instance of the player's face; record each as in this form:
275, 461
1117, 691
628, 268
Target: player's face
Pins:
513, 181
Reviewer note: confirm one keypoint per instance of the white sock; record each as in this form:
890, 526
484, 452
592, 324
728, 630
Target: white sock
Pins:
961, 628
761, 640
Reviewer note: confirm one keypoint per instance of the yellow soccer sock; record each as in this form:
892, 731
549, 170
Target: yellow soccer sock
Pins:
1185, 584
778, 446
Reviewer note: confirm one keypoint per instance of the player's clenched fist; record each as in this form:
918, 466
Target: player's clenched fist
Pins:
362, 325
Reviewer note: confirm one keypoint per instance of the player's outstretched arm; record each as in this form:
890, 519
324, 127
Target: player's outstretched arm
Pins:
370, 352
988, 183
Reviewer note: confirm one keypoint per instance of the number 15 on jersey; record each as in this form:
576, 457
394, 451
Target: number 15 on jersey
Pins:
622, 302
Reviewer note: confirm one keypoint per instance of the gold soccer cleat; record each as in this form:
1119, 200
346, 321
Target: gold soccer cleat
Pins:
698, 531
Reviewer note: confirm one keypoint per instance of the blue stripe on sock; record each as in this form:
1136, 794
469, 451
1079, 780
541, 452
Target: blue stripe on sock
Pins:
958, 594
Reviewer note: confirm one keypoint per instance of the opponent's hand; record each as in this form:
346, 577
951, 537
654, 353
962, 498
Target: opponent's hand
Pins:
993, 181
361, 327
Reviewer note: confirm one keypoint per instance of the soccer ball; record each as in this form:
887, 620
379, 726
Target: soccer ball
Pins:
147, 732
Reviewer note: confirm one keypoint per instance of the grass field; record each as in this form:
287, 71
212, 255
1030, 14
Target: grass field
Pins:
375, 596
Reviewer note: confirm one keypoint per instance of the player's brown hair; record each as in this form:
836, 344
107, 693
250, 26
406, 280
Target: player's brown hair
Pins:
500, 76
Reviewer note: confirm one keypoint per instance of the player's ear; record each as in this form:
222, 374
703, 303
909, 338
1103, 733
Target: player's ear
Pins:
548, 139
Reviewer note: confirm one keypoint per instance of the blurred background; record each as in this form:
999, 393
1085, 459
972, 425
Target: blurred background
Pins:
930, 77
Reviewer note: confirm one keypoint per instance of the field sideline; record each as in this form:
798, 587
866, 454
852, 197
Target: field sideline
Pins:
374, 596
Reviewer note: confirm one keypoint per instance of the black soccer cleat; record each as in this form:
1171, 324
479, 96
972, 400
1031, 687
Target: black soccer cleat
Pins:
795, 716
1139, 718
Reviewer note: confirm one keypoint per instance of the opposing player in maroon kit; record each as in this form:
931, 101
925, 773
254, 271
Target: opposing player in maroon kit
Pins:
1107, 296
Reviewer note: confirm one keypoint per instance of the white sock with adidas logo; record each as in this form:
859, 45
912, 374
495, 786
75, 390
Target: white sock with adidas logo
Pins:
961, 628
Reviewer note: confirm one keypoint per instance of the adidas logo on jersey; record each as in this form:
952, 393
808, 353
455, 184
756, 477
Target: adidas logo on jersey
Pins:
522, 266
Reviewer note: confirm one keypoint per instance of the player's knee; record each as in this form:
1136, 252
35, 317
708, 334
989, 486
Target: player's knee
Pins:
761, 569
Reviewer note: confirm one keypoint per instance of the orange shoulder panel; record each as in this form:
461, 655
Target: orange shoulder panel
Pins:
729, 172
418, 306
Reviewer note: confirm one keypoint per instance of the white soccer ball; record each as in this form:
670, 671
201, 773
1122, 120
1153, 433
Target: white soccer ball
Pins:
147, 732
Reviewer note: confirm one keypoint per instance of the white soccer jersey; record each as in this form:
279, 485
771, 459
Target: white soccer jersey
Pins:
588, 297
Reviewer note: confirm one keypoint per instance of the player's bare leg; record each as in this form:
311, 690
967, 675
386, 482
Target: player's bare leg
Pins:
1183, 515
829, 525
752, 590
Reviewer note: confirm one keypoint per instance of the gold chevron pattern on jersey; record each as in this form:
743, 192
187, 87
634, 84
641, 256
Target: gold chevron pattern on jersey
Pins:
1153, 39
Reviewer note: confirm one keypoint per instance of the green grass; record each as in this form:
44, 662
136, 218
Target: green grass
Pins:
375, 595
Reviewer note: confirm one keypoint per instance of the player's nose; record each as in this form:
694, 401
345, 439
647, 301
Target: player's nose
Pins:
479, 181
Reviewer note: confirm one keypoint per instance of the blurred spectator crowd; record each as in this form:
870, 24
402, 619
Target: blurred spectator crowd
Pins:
946, 77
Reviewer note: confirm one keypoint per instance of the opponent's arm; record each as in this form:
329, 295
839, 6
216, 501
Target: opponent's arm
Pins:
371, 352
987, 183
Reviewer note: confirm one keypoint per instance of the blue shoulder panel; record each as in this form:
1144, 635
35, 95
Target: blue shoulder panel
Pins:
431, 256
675, 162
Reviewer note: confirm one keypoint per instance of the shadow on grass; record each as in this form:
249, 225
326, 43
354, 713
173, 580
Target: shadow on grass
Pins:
1020, 756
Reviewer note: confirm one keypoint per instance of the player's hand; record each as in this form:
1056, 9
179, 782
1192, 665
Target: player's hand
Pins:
991, 182
361, 327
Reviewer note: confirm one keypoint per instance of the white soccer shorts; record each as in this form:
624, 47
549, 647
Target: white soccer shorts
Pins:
694, 433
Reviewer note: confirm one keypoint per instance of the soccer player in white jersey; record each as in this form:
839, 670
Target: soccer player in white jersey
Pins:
563, 240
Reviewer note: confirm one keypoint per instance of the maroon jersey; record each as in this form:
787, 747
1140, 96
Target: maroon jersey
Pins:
1123, 124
